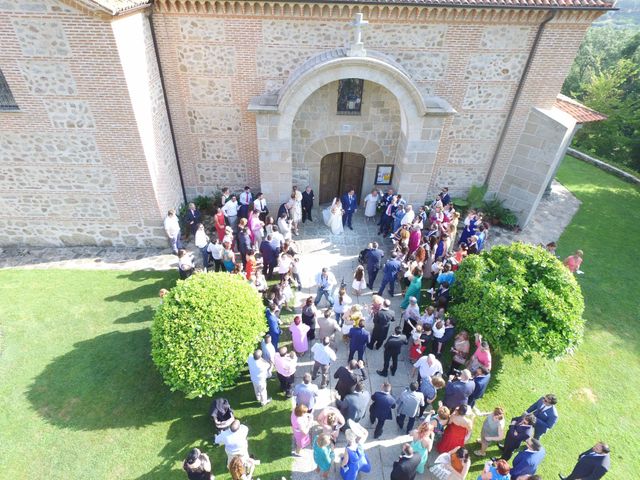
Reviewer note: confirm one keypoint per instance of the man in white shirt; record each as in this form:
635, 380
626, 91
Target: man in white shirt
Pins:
408, 216
234, 440
427, 366
230, 210
246, 198
325, 280
215, 250
277, 240
259, 371
260, 204
172, 229
323, 356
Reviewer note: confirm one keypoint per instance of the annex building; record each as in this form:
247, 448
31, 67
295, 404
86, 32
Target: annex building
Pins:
114, 111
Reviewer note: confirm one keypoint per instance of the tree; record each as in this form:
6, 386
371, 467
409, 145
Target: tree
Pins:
204, 331
521, 299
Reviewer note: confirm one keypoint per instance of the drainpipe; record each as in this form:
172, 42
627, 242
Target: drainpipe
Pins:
516, 97
166, 105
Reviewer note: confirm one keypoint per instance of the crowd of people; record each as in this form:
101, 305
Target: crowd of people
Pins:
427, 246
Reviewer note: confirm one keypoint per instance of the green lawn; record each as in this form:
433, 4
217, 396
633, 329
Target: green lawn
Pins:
79, 396
79, 393
598, 387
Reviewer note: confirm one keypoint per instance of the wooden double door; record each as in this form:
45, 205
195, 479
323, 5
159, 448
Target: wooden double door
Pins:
340, 172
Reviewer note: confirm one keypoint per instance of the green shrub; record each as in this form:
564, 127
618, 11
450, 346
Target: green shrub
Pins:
204, 331
521, 299
203, 203
476, 195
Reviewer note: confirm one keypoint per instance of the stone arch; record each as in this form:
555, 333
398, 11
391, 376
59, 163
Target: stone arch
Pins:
419, 116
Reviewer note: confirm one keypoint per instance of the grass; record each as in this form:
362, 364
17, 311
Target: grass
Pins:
79, 392
597, 387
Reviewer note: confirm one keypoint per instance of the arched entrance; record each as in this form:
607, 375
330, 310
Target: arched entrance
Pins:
339, 172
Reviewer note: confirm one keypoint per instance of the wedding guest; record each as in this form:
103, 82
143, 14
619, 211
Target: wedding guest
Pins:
592, 464
246, 198
172, 229
408, 406
234, 440
323, 454
218, 222
457, 430
482, 355
323, 357
492, 430
354, 459
371, 205
192, 218
286, 364
325, 281
307, 204
452, 465
230, 210
301, 423
331, 421
197, 465
380, 410
405, 468
299, 336
573, 262
259, 372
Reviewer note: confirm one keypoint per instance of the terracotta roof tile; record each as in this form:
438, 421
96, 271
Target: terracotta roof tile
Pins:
578, 111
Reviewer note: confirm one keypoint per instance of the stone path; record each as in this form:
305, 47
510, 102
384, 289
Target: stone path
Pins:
318, 249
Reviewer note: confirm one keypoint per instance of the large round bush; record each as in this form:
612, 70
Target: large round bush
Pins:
204, 331
521, 299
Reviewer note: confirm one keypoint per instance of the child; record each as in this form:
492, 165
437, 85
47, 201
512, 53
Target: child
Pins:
412, 312
429, 316
416, 350
416, 333
359, 283
438, 333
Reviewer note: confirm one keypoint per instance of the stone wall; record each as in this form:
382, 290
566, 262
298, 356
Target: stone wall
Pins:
541, 146
211, 75
73, 168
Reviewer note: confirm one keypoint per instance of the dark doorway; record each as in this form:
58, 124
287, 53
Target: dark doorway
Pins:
339, 172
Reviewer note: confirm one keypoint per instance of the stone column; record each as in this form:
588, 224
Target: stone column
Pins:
274, 158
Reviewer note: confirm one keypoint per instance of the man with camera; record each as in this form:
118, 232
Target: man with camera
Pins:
458, 390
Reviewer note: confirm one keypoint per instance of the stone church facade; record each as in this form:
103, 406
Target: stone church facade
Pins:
114, 111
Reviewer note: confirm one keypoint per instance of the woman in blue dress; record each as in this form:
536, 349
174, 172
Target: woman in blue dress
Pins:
470, 224
354, 460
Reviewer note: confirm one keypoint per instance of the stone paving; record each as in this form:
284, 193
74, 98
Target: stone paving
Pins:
319, 248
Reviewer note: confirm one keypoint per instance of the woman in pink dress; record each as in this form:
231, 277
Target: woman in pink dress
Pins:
255, 227
414, 238
299, 335
301, 423
482, 355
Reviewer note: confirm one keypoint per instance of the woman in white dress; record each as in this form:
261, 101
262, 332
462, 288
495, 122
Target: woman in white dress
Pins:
296, 209
371, 204
333, 217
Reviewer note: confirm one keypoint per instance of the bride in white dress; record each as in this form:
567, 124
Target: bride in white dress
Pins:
333, 217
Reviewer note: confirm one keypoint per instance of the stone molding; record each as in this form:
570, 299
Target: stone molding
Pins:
413, 13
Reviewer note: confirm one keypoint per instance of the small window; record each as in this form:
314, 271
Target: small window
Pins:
350, 96
7, 102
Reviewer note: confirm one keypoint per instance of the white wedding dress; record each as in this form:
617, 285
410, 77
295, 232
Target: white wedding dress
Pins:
333, 217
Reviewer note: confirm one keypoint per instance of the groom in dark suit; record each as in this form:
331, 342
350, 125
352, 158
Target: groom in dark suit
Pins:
349, 206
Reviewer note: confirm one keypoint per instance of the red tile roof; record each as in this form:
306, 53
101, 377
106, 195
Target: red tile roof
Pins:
578, 111
538, 4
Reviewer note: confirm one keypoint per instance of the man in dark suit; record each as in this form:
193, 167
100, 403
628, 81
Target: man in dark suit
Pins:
520, 429
244, 245
546, 414
192, 218
392, 348
528, 460
444, 195
358, 339
307, 204
592, 464
458, 390
374, 262
405, 467
380, 409
349, 206
269, 256
354, 405
381, 322
480, 380
348, 377
390, 274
